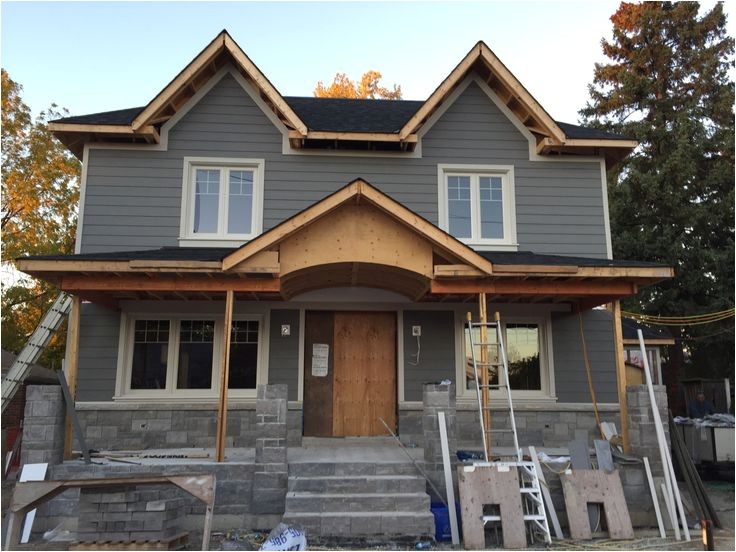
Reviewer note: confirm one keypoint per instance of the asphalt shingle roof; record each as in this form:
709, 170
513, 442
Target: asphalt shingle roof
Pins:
219, 253
338, 115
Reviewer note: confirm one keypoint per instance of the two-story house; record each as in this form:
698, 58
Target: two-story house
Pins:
336, 246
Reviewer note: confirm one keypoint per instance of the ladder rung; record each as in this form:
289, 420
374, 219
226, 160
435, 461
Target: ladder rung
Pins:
529, 490
491, 518
488, 344
489, 364
534, 517
493, 386
499, 430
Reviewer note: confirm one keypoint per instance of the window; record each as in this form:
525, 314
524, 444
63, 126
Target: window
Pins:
525, 352
222, 201
477, 205
178, 357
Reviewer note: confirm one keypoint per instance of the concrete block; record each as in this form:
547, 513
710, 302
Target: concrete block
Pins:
272, 391
270, 480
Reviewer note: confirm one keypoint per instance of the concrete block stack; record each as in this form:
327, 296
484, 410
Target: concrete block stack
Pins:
43, 427
437, 397
642, 431
129, 514
270, 479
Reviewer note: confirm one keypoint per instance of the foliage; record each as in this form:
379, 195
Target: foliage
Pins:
40, 190
369, 87
672, 201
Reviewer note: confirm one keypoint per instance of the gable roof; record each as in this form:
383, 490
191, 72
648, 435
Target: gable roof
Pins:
359, 191
325, 122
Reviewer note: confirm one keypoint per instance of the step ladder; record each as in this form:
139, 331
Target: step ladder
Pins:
50, 322
493, 357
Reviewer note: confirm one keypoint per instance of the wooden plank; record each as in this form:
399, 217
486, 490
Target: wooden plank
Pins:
70, 368
318, 328
357, 136
364, 388
580, 460
141, 282
621, 376
582, 487
545, 269
551, 512
483, 485
655, 500
449, 485
528, 287
457, 271
265, 262
146, 130
221, 436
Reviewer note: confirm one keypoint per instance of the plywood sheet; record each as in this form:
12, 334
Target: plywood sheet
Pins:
483, 485
364, 388
581, 487
318, 329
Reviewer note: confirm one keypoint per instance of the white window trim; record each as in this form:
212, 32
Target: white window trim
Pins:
506, 172
125, 359
546, 365
187, 237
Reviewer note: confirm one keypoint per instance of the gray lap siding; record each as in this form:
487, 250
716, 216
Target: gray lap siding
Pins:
133, 197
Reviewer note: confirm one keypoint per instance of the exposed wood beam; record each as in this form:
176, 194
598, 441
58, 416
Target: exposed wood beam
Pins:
513, 287
70, 368
224, 378
621, 376
102, 299
457, 271
136, 282
356, 136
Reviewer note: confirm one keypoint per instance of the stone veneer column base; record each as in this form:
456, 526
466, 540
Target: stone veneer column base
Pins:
271, 476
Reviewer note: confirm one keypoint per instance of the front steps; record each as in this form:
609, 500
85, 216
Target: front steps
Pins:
358, 500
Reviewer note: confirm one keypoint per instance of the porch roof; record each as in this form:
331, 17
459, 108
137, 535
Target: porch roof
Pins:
357, 237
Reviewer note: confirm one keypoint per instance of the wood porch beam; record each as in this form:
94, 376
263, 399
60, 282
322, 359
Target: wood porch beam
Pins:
528, 287
139, 282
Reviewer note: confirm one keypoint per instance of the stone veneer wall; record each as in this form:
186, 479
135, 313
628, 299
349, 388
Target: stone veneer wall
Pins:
43, 425
140, 428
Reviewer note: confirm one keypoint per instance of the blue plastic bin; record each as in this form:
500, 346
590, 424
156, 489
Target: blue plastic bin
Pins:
442, 521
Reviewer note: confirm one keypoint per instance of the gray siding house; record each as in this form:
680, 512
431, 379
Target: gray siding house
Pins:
231, 237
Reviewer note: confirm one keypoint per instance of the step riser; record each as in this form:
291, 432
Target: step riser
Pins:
386, 524
325, 468
357, 485
357, 503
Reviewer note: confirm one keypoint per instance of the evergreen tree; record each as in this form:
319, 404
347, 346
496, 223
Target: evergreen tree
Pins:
672, 201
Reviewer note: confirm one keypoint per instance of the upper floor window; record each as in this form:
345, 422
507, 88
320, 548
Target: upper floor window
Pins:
477, 204
222, 201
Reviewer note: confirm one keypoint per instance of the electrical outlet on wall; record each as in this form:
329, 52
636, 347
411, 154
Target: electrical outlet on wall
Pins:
285, 330
416, 331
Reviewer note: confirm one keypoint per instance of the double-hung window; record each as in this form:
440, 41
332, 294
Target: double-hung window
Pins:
180, 357
222, 201
477, 206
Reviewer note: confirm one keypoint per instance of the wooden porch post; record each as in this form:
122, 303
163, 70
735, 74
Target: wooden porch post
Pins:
485, 373
70, 368
224, 378
621, 375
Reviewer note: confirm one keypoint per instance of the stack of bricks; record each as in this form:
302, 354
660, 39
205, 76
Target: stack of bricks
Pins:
270, 479
437, 397
129, 514
43, 426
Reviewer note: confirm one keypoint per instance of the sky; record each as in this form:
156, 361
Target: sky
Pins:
101, 56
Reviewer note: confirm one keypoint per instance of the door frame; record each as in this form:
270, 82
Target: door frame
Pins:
398, 348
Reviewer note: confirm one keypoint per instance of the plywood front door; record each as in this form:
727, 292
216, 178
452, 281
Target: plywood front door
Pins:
362, 374
364, 388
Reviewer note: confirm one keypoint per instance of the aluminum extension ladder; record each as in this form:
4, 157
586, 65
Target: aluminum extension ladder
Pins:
50, 322
493, 355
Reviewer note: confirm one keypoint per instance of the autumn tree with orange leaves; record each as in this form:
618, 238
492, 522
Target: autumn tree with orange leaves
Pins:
369, 87
40, 190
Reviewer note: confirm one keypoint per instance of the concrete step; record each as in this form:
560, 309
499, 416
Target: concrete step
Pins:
351, 468
310, 502
358, 483
360, 524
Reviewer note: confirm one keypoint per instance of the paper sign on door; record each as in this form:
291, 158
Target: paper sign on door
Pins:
320, 356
